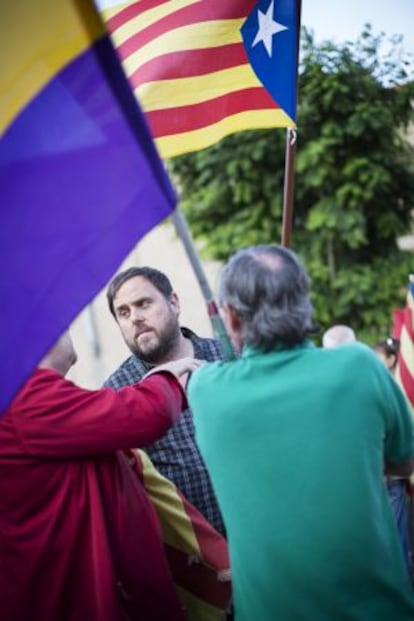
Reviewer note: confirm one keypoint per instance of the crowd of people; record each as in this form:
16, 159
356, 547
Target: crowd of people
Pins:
288, 458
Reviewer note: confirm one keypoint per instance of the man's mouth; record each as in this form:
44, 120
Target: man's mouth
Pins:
141, 332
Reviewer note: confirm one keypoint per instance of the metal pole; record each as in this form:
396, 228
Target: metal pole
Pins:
290, 153
288, 187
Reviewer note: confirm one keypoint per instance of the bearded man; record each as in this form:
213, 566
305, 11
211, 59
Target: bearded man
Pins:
146, 308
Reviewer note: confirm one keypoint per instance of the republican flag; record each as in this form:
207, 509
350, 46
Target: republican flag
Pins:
197, 554
404, 331
203, 69
80, 179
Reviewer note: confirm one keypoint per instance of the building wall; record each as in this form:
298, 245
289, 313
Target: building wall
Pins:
95, 333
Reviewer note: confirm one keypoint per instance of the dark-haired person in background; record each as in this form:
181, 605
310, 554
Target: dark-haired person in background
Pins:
387, 351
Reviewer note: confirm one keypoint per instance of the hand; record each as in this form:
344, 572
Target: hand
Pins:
178, 367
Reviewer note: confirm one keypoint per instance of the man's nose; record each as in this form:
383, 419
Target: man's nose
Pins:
137, 315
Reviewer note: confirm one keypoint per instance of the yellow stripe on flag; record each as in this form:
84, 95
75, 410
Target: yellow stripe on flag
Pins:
198, 610
187, 91
206, 136
38, 39
191, 37
169, 508
147, 18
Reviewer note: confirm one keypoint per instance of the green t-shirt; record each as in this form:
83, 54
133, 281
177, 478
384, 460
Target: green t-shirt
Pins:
295, 441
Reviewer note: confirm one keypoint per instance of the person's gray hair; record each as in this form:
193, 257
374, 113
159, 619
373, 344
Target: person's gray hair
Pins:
269, 288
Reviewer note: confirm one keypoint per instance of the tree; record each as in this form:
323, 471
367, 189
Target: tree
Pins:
354, 186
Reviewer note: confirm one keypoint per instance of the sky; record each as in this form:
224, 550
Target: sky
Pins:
343, 20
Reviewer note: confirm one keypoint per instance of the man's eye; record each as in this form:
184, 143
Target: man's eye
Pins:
123, 313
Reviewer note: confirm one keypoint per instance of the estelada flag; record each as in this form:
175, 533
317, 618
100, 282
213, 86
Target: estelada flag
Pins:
203, 69
196, 552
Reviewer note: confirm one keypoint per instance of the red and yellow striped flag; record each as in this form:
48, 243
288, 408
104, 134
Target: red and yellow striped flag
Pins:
196, 552
191, 65
404, 331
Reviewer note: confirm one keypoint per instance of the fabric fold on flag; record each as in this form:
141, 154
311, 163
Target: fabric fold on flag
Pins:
80, 178
196, 552
206, 69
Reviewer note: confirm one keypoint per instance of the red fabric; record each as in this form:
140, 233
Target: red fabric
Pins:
398, 322
77, 532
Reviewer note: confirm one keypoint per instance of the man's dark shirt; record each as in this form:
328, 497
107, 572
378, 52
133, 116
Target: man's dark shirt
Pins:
176, 455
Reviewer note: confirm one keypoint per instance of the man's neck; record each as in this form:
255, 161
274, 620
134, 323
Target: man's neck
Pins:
182, 349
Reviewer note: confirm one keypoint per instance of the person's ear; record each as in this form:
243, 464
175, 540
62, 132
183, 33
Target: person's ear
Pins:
233, 318
233, 325
175, 303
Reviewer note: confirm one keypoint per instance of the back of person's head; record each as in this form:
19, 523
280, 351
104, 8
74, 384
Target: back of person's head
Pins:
61, 356
158, 279
338, 335
268, 287
387, 351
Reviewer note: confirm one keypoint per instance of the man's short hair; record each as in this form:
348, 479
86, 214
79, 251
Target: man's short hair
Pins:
269, 288
155, 277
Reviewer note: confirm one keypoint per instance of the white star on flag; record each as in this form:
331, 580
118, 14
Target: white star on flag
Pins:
267, 28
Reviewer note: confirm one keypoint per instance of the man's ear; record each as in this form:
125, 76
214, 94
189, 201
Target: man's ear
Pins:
175, 303
233, 318
233, 325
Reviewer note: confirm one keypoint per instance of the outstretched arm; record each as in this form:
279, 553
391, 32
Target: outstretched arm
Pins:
54, 417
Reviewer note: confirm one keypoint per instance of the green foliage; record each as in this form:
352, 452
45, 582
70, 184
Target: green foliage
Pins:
354, 185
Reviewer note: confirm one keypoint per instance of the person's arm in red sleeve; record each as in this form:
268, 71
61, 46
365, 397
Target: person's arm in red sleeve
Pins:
54, 417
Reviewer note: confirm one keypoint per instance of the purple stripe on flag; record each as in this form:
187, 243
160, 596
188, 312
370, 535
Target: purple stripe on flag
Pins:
81, 183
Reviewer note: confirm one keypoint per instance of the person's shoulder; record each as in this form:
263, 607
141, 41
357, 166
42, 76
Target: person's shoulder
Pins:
356, 355
41, 377
361, 350
205, 348
129, 372
41, 388
212, 373
209, 383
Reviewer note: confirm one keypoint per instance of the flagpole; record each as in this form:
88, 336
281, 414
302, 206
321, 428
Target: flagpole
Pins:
220, 331
290, 154
288, 189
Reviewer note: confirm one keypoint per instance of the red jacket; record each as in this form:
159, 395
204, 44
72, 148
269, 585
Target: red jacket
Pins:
79, 540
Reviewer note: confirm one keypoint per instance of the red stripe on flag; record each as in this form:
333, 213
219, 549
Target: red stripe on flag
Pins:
212, 545
131, 11
195, 116
404, 328
198, 579
186, 65
193, 14
216, 10
398, 323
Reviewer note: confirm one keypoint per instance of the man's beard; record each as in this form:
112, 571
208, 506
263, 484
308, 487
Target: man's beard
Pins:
160, 351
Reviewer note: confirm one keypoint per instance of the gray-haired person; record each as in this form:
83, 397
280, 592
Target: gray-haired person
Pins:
337, 335
295, 437
146, 308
